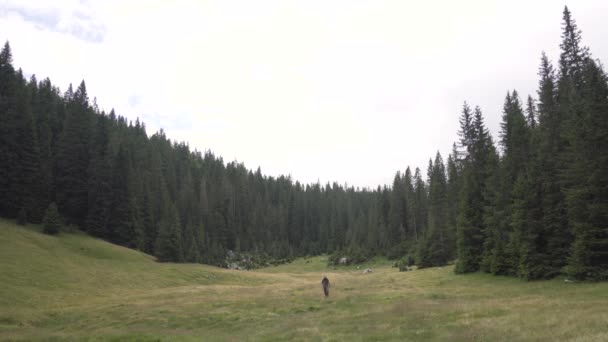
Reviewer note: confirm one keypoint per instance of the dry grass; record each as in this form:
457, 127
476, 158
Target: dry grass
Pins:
73, 287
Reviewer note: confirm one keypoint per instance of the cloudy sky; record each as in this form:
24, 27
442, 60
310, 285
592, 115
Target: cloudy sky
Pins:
346, 91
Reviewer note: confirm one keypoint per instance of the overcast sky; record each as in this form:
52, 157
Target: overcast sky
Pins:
346, 91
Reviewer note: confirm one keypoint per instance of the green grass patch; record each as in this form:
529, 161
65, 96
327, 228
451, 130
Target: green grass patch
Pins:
77, 288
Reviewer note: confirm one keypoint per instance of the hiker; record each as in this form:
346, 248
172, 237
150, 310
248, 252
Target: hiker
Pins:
325, 283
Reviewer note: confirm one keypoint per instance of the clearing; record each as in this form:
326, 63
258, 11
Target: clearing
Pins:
74, 287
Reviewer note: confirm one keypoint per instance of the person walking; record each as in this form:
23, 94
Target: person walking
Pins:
325, 283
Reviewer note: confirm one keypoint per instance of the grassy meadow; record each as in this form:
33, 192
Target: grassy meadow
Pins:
74, 287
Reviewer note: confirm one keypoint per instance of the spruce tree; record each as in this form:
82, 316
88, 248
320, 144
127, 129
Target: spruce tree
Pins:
27, 186
531, 113
169, 242
453, 195
434, 248
169, 239
573, 55
100, 177
479, 150
420, 206
52, 220
121, 223
73, 158
554, 240
397, 218
515, 145
587, 179
8, 119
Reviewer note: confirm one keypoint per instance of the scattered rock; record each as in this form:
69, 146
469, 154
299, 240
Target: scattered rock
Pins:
233, 266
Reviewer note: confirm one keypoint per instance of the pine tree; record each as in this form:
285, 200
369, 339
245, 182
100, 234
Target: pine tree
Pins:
397, 218
587, 180
44, 108
148, 223
506, 242
100, 191
52, 220
573, 56
526, 220
453, 194
479, 148
121, 223
169, 242
420, 206
555, 238
27, 182
8, 118
527, 210
73, 158
433, 249
531, 113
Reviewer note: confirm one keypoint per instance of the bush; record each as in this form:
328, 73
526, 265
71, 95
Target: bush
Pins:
353, 255
52, 220
405, 263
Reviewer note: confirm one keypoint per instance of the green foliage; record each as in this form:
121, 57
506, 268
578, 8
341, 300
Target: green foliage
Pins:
586, 195
22, 217
71, 173
479, 154
352, 255
169, 240
534, 206
405, 263
433, 249
52, 220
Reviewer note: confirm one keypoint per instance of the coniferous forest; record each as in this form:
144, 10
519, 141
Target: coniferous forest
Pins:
532, 202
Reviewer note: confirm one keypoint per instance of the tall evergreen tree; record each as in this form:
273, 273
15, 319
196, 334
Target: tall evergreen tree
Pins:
397, 218
100, 190
27, 183
169, 241
123, 222
531, 113
479, 148
73, 158
434, 248
555, 237
420, 206
587, 179
515, 145
573, 55
8, 118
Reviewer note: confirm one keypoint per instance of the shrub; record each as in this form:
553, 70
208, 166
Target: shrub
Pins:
405, 263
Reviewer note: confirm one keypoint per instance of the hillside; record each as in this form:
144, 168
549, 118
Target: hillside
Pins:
76, 287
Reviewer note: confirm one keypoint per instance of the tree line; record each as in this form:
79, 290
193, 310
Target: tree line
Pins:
534, 204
